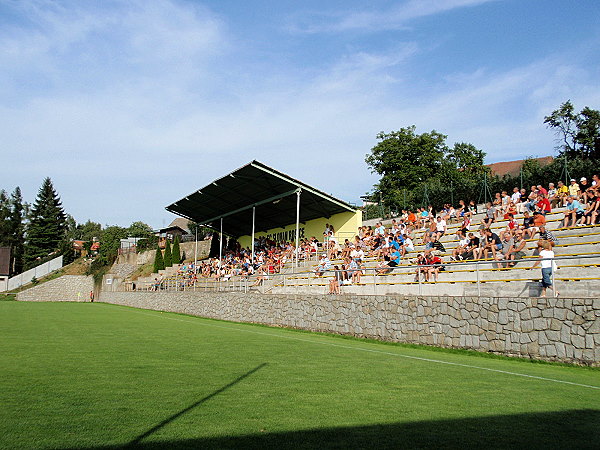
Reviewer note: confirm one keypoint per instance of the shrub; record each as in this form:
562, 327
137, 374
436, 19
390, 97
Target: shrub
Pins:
176, 253
159, 263
146, 243
168, 258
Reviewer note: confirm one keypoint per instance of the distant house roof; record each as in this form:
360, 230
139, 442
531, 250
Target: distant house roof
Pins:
513, 167
173, 228
78, 245
182, 223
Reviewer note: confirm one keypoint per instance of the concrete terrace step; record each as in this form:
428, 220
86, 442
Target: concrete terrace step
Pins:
527, 287
574, 273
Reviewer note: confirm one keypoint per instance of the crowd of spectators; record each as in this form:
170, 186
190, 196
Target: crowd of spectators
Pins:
389, 245
505, 246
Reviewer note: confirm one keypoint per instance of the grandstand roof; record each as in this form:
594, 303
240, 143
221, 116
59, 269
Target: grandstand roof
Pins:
232, 197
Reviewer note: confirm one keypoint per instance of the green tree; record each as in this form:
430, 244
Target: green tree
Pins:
17, 230
405, 159
88, 231
167, 256
588, 132
564, 122
66, 245
47, 224
146, 243
578, 134
159, 263
467, 159
110, 242
420, 169
176, 252
4, 219
139, 229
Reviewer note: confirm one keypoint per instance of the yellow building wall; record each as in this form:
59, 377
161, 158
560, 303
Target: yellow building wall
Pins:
345, 225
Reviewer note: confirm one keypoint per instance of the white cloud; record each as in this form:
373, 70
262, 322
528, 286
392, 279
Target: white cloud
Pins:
131, 108
395, 17
74, 44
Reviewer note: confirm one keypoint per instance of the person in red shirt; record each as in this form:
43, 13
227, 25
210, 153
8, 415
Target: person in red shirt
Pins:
437, 266
543, 204
512, 224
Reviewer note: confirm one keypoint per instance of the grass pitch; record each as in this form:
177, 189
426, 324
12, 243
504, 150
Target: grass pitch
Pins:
104, 376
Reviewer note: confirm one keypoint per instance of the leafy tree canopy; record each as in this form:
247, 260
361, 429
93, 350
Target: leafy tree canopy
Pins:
110, 242
139, 229
577, 134
404, 159
88, 231
408, 161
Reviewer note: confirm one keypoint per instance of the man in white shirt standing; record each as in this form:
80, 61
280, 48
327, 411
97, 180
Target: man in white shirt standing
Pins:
440, 228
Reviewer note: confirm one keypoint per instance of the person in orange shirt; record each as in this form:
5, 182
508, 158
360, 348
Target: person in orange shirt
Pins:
539, 220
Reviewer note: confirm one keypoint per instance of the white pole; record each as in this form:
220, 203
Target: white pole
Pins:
297, 224
221, 244
196, 252
253, 220
196, 258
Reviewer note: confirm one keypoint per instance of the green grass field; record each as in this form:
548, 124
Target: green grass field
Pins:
104, 376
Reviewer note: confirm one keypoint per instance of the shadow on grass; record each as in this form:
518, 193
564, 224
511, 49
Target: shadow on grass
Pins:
564, 429
136, 441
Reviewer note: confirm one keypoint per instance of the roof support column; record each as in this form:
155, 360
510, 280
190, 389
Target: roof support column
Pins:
196, 258
297, 225
253, 222
221, 244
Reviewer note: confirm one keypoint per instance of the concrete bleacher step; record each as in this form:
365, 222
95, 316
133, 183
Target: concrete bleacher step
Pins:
530, 287
407, 276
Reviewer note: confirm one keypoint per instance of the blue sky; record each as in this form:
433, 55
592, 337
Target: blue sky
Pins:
131, 105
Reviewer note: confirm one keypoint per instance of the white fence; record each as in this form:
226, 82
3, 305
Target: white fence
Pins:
37, 272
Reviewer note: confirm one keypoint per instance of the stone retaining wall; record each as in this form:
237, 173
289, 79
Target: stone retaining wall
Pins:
67, 288
565, 330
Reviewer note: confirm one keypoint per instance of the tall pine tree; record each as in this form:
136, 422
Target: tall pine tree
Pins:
47, 224
176, 252
4, 219
17, 230
159, 263
167, 256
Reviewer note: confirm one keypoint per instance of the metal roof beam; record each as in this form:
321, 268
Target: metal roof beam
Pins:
250, 206
303, 186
